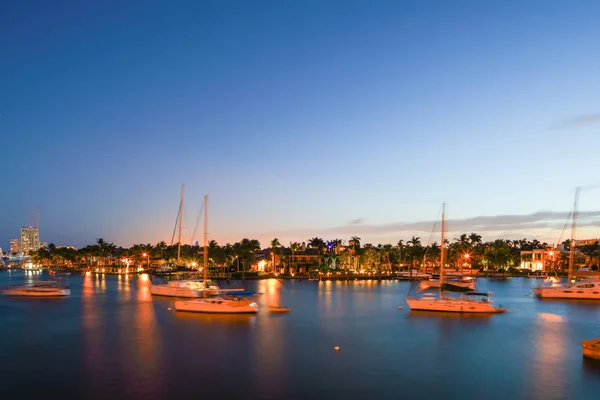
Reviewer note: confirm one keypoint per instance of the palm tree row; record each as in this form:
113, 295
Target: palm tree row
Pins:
466, 250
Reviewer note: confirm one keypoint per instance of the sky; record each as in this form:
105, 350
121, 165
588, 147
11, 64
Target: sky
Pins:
299, 119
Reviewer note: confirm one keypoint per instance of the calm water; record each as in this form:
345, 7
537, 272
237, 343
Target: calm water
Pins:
112, 339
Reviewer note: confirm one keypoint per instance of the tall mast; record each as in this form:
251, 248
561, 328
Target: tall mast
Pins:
443, 250
205, 242
572, 243
180, 222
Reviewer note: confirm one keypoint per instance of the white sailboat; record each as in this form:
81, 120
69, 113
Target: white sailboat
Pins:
228, 303
470, 302
583, 290
183, 287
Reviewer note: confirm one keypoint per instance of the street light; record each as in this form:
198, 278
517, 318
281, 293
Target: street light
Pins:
466, 256
148, 257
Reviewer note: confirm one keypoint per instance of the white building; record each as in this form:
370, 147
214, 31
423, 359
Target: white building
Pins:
30, 239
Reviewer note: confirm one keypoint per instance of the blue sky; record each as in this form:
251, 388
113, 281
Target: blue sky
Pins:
298, 118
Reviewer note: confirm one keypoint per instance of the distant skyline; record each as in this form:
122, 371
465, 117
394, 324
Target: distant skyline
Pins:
299, 119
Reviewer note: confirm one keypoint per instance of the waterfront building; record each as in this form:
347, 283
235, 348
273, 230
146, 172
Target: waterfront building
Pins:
551, 259
539, 259
15, 246
30, 239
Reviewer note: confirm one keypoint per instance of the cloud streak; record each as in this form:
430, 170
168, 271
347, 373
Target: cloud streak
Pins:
481, 224
579, 121
498, 226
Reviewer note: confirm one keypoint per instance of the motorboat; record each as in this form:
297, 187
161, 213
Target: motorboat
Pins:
279, 309
583, 290
457, 283
39, 289
185, 288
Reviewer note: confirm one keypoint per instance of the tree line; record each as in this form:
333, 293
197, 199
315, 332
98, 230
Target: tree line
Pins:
467, 250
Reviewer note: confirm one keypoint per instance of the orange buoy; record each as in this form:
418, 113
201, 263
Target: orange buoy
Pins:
337, 348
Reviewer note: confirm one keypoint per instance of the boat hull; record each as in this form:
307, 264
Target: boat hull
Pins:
217, 306
37, 292
591, 348
453, 305
188, 289
567, 293
163, 290
455, 285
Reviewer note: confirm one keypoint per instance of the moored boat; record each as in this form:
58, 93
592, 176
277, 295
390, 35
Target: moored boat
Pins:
39, 289
467, 303
591, 348
227, 304
470, 302
184, 288
582, 290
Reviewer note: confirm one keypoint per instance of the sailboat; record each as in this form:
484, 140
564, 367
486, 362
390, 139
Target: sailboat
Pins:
469, 302
583, 290
230, 302
183, 287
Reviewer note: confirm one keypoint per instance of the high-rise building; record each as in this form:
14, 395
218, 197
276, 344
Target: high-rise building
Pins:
15, 245
30, 239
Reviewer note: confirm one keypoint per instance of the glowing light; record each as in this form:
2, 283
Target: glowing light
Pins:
261, 265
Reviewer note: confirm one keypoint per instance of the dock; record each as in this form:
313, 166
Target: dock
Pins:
591, 348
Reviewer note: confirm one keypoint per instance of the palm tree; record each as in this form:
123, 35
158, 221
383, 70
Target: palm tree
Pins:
295, 247
275, 244
355, 243
415, 249
400, 246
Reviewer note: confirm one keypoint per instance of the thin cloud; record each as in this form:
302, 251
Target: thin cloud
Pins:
481, 224
543, 224
579, 121
357, 221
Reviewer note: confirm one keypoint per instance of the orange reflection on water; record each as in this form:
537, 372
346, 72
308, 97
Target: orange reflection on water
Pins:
271, 289
92, 322
549, 346
123, 286
325, 296
146, 340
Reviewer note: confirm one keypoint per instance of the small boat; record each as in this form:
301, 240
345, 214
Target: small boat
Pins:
279, 309
591, 348
453, 283
184, 288
226, 304
39, 289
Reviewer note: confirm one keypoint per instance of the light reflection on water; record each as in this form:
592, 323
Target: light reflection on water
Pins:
124, 341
